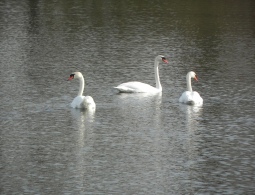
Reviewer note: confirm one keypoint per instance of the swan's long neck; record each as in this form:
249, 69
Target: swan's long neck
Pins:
82, 83
158, 84
188, 78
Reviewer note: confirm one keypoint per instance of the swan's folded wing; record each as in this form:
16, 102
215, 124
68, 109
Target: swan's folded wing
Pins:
83, 102
186, 97
191, 98
78, 102
89, 100
135, 87
183, 97
125, 89
197, 98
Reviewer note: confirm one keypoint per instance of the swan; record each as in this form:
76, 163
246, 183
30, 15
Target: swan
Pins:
81, 101
138, 87
191, 97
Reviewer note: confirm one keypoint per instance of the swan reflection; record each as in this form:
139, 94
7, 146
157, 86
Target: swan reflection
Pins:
82, 120
82, 137
192, 138
143, 103
140, 95
80, 116
192, 115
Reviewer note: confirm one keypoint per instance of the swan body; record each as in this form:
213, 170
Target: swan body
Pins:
138, 87
191, 97
81, 101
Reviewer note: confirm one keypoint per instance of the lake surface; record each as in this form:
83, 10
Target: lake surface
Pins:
132, 143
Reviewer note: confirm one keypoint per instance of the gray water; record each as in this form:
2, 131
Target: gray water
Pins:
133, 143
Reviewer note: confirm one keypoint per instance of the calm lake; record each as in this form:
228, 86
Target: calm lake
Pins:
133, 143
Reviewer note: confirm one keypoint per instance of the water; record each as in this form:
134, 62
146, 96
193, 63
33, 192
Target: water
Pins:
133, 143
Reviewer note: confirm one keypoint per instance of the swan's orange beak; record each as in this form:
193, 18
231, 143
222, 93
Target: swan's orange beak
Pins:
71, 77
196, 78
164, 60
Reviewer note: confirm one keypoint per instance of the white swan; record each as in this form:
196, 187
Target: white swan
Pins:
81, 101
138, 87
191, 97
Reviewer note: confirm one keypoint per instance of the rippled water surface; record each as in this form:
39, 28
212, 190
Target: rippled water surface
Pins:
133, 143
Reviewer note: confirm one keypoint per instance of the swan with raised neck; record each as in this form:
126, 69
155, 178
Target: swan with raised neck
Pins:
139, 87
189, 96
81, 101
190, 75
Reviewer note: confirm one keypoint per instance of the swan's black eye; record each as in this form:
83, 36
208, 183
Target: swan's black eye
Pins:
163, 58
71, 77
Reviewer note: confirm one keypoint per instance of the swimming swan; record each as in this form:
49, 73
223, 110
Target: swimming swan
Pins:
191, 97
81, 101
138, 87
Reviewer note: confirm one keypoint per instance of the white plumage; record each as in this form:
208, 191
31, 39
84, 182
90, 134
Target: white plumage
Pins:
81, 101
138, 87
191, 97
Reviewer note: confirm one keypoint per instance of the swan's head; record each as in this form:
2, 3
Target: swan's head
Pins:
75, 75
161, 58
192, 74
